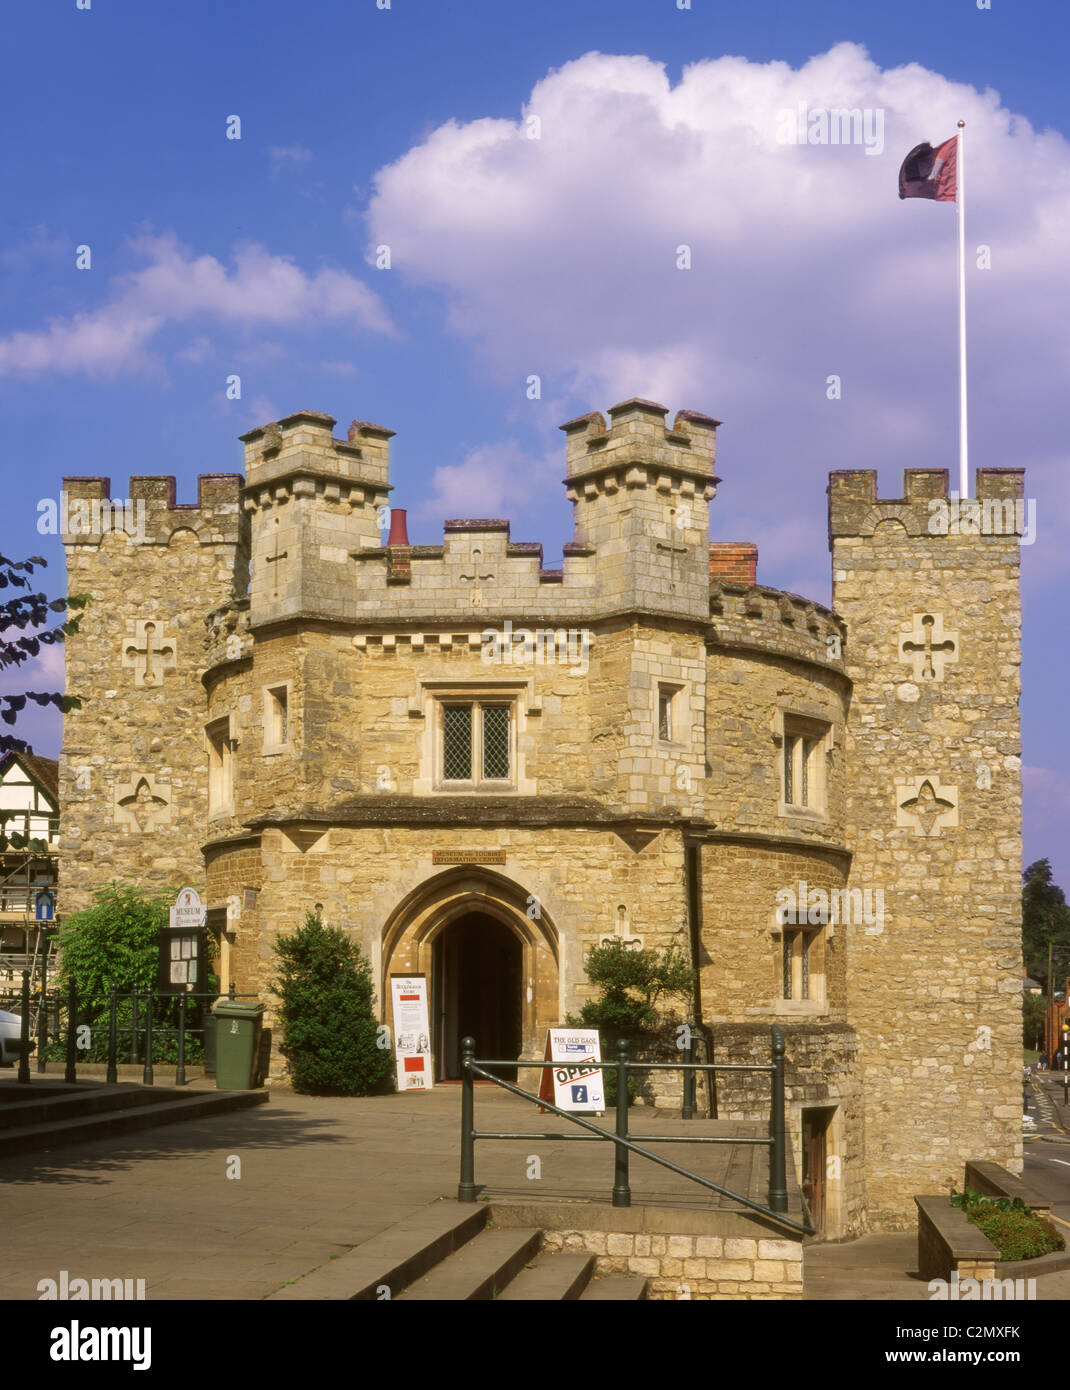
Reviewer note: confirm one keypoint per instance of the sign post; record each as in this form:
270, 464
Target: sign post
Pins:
182, 945
412, 1032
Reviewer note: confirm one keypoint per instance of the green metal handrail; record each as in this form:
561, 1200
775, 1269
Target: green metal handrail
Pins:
624, 1144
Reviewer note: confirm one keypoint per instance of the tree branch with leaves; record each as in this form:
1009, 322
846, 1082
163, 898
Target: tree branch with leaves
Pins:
32, 610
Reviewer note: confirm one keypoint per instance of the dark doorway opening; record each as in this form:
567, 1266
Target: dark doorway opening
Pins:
477, 974
815, 1155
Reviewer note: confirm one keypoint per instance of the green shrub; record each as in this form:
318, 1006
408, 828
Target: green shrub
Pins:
631, 983
609, 1079
164, 1033
113, 942
1016, 1231
330, 1033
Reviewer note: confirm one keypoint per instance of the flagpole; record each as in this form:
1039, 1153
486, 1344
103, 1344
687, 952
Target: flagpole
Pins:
960, 197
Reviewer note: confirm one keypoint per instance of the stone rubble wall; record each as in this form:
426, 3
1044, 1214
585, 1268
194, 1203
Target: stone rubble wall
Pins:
710, 1268
933, 818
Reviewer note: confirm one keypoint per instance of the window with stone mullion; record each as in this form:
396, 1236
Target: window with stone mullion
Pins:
495, 722
457, 743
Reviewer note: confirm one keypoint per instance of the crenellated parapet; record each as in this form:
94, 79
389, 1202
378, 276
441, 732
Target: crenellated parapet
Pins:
639, 450
752, 617
150, 513
927, 507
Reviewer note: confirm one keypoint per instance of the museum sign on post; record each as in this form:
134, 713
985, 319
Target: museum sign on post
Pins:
182, 945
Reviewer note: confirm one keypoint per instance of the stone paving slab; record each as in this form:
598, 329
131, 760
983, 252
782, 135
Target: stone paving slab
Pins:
883, 1267
319, 1177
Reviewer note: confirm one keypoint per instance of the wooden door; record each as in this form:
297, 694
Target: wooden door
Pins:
815, 1125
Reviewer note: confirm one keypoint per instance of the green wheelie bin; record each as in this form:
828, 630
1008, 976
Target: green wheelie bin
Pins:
237, 1043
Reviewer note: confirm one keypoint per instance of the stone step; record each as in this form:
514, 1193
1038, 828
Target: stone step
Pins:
395, 1258
41, 1105
551, 1277
479, 1270
62, 1134
621, 1287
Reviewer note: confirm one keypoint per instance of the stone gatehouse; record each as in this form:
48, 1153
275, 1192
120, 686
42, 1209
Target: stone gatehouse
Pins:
482, 768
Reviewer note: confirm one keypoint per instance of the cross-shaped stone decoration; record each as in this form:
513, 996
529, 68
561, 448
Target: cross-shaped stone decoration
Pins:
630, 943
474, 577
927, 646
274, 560
150, 654
141, 804
926, 805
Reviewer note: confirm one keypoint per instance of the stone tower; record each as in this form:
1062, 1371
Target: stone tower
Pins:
133, 768
933, 821
639, 492
311, 501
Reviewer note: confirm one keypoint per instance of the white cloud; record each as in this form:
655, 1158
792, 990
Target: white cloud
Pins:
288, 157
490, 481
197, 352
260, 290
558, 256
37, 246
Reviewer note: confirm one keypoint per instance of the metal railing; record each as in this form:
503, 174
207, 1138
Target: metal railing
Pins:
624, 1143
142, 1022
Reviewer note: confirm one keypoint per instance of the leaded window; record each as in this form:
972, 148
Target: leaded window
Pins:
476, 742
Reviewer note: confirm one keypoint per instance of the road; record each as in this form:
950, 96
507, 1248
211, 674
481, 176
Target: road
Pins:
1047, 1152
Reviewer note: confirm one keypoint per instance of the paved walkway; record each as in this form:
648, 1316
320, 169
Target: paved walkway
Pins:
322, 1175
884, 1267
318, 1176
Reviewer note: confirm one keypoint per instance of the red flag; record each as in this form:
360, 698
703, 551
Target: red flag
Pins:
930, 173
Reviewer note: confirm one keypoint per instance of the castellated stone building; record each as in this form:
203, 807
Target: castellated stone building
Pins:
482, 768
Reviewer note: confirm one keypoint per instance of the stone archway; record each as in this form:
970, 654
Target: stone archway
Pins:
426, 935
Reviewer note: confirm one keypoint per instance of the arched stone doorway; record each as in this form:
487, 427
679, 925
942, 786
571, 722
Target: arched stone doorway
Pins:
492, 969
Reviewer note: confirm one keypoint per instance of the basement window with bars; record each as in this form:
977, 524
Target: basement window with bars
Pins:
476, 745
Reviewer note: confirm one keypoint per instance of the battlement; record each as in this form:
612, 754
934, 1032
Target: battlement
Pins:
927, 507
303, 444
757, 618
149, 513
639, 450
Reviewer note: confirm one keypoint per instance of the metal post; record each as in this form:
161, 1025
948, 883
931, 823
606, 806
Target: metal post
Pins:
778, 1170
70, 1072
622, 1193
688, 1111
230, 989
180, 1072
42, 1017
113, 1039
149, 1010
133, 1034
466, 1188
24, 1031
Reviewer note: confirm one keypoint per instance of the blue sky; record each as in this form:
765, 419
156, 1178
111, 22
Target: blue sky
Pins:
408, 127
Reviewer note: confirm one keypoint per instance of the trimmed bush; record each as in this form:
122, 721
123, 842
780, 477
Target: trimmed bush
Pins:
330, 1034
630, 985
